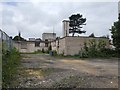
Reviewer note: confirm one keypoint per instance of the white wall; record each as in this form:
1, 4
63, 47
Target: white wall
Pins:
49, 36
30, 47
118, 7
73, 45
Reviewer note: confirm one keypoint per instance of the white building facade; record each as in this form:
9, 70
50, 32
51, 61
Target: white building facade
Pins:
48, 36
119, 7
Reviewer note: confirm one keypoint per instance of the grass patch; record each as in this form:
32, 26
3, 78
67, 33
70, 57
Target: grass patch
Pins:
31, 53
39, 71
36, 52
31, 72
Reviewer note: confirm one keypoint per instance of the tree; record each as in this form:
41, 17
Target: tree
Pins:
76, 22
115, 30
17, 38
92, 35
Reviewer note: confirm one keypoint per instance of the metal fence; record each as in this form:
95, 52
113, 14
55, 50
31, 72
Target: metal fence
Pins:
6, 42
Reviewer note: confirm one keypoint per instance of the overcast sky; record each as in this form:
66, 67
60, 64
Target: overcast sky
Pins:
34, 18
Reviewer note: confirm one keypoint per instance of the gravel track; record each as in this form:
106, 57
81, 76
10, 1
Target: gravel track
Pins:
44, 71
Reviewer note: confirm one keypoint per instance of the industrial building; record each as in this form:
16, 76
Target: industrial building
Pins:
33, 44
67, 45
48, 36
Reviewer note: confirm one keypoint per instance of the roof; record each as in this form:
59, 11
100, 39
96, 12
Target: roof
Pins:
31, 41
49, 33
83, 37
65, 21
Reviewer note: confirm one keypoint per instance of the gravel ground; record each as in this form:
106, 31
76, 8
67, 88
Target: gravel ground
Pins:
44, 71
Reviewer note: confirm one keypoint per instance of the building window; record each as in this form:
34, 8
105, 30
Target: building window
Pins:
46, 39
23, 45
37, 44
46, 42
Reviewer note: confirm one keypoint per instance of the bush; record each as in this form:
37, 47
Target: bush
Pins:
96, 50
38, 51
54, 53
10, 63
83, 54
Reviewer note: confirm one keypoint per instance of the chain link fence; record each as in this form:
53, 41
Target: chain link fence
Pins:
6, 42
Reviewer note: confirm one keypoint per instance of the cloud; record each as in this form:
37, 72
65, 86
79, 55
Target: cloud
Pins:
32, 18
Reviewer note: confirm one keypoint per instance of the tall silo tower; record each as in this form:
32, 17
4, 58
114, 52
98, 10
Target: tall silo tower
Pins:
119, 7
65, 28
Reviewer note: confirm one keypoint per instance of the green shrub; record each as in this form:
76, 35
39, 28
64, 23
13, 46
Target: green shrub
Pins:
10, 63
38, 51
83, 54
96, 50
54, 53
48, 51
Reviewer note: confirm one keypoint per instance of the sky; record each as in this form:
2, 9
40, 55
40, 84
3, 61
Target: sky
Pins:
34, 18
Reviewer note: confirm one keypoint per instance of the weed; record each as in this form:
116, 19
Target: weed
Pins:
10, 63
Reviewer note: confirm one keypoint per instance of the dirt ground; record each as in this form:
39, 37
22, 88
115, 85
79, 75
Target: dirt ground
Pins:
44, 71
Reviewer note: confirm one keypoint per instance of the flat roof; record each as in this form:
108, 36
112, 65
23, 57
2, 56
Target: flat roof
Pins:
49, 33
82, 37
65, 21
32, 41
